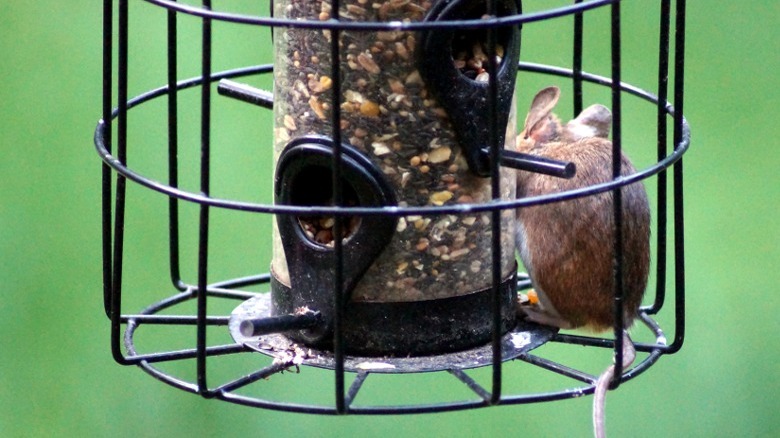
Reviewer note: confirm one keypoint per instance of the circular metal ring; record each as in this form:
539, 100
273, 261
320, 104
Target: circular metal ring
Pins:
199, 198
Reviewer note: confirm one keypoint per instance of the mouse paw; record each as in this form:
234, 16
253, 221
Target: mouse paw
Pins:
545, 318
530, 307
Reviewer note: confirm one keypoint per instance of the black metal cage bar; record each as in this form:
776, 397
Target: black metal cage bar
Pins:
114, 205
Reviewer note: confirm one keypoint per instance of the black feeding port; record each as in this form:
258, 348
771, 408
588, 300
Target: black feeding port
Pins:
456, 65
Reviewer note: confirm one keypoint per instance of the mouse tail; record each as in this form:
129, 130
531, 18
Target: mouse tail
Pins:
602, 386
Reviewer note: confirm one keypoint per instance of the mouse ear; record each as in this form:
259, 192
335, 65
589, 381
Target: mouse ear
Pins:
593, 121
541, 107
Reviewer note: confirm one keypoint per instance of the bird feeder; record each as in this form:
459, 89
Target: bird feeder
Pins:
408, 136
394, 202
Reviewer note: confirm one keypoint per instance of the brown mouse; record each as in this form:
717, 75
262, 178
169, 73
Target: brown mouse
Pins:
567, 246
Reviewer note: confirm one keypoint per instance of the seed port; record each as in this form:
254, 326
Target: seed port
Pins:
470, 47
310, 333
490, 91
313, 187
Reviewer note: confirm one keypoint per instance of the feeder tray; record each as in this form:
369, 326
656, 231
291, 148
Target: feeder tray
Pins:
523, 338
313, 309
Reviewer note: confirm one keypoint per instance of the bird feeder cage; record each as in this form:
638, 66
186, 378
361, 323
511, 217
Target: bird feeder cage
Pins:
393, 212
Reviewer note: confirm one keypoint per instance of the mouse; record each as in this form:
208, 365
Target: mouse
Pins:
567, 246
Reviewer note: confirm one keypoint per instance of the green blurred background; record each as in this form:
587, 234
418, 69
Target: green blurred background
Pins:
57, 376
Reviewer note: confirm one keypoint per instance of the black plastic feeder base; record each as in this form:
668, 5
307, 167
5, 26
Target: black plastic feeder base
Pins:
403, 337
410, 328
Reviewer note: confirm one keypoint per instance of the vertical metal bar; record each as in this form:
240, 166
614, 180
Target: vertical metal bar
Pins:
173, 152
617, 199
108, 59
119, 219
495, 220
661, 216
577, 61
203, 230
338, 227
679, 240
